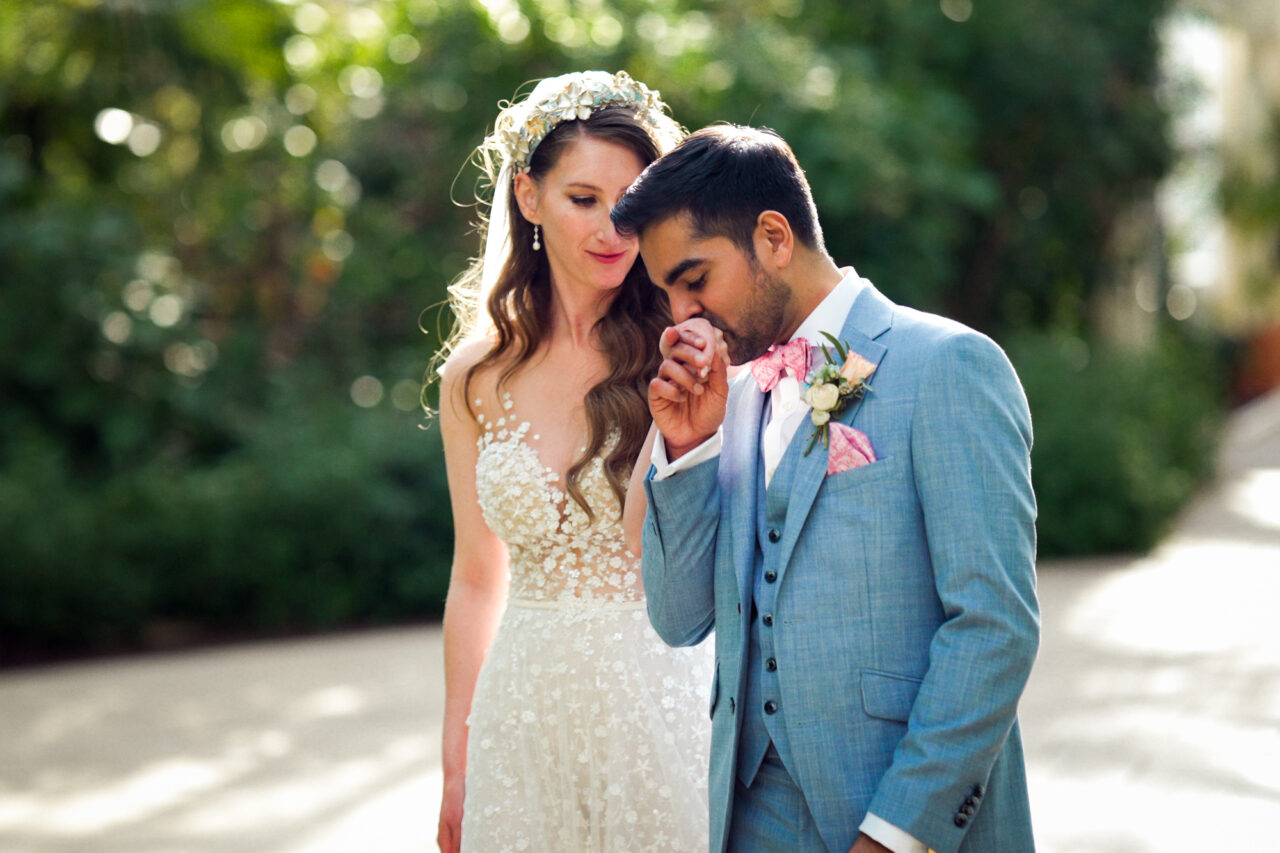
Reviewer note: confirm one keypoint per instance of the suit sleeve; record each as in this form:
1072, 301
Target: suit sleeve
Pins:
970, 451
678, 558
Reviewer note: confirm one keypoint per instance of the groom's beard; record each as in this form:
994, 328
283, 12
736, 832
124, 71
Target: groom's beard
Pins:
760, 324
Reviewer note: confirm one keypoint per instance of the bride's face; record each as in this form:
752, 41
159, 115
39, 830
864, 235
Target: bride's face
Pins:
571, 203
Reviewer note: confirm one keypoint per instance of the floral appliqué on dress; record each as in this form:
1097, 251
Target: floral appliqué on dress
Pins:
587, 733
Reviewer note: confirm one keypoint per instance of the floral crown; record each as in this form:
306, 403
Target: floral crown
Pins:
522, 126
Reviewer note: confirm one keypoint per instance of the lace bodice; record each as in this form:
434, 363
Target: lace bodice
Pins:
586, 731
557, 552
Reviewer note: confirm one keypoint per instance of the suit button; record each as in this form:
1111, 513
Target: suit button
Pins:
771, 664
771, 707
970, 801
731, 708
967, 810
767, 619
978, 790
774, 535
770, 576
961, 821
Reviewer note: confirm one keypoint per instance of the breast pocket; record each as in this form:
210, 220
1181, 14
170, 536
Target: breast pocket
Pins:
862, 477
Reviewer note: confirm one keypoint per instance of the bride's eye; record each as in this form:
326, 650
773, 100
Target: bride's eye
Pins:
583, 200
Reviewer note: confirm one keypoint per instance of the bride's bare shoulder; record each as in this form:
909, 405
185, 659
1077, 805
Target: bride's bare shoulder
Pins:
464, 357
454, 373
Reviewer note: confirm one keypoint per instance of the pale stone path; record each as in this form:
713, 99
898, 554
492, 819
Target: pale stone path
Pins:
1152, 721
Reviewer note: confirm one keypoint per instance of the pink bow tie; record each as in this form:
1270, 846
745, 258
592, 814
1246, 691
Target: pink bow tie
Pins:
793, 356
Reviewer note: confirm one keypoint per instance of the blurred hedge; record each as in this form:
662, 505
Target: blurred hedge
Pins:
218, 219
1122, 436
327, 516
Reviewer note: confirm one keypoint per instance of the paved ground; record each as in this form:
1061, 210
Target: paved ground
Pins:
1152, 720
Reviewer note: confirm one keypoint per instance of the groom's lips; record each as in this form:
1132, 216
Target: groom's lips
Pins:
608, 259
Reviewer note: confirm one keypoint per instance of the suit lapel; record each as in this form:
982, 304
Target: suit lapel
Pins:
869, 318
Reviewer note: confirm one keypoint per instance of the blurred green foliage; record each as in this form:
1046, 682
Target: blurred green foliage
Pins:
1122, 437
220, 225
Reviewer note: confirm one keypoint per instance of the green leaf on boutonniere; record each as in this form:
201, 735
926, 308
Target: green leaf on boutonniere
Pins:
841, 350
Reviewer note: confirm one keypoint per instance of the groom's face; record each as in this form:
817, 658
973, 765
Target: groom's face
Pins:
713, 278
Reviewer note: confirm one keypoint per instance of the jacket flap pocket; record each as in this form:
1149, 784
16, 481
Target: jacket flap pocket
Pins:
887, 696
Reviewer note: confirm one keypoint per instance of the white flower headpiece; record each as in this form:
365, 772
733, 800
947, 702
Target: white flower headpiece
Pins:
523, 125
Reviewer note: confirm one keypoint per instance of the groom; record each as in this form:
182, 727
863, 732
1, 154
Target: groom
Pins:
863, 548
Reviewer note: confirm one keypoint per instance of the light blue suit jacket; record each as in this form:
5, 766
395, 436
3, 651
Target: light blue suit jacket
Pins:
906, 619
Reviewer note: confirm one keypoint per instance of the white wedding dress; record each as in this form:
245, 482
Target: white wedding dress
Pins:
587, 733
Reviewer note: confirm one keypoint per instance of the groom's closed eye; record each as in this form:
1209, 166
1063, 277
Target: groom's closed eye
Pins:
675, 273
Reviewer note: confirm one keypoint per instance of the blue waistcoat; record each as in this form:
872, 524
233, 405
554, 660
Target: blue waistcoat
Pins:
763, 720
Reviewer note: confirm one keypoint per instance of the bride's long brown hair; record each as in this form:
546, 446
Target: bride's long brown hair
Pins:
520, 308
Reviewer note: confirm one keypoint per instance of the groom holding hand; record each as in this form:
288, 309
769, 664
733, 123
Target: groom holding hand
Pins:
860, 534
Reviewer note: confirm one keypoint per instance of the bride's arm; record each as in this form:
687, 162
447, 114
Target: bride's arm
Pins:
634, 508
477, 590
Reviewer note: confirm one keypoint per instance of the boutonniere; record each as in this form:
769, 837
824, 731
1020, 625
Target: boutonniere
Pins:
833, 386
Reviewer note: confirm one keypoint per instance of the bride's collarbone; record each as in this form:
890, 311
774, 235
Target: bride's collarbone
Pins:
553, 424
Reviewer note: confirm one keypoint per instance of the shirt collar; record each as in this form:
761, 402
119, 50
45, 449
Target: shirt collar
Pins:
833, 310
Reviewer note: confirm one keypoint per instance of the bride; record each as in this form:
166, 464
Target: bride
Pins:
569, 725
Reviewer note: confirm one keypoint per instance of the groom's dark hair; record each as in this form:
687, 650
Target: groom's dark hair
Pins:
723, 177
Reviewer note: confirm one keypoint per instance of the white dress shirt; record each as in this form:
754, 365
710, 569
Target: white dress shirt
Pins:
788, 411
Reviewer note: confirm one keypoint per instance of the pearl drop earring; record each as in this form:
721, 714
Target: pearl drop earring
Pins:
537, 244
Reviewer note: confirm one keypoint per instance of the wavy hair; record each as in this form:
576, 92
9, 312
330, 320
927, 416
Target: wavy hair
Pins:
519, 308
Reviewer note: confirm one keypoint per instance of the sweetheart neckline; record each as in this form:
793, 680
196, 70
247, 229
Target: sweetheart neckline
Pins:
558, 499
548, 474
507, 422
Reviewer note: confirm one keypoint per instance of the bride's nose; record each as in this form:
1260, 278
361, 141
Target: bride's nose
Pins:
610, 236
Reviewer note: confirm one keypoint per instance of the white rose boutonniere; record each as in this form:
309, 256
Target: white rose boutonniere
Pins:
833, 386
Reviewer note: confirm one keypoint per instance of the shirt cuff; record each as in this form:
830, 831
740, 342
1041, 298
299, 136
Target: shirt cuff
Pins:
663, 469
890, 836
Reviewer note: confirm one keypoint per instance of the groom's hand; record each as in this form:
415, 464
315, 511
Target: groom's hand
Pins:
687, 398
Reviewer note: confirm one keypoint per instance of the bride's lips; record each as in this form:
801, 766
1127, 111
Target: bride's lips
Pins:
608, 259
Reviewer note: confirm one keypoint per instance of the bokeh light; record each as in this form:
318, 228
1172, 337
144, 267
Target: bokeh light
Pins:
117, 327
366, 392
300, 99
145, 138
365, 24
244, 133
338, 245
406, 395
137, 295
360, 81
310, 18
513, 27
299, 140
113, 125
301, 53
166, 310
403, 49
957, 10
1181, 302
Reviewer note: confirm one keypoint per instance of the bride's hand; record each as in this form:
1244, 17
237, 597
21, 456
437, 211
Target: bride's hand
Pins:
449, 834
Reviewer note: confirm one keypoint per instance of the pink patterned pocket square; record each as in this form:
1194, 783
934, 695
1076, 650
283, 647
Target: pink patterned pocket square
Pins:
850, 448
